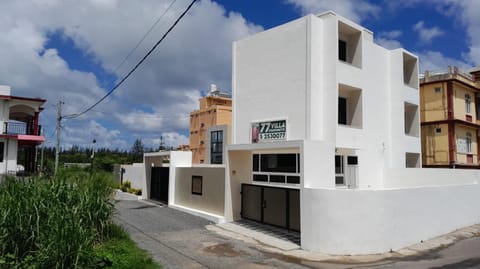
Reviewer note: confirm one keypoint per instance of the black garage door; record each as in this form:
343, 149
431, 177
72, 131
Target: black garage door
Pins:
159, 184
271, 205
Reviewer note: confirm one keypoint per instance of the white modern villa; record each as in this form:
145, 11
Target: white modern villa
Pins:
326, 142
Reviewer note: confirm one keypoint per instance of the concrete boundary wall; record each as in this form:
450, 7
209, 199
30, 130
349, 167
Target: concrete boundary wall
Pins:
353, 222
135, 173
212, 198
421, 177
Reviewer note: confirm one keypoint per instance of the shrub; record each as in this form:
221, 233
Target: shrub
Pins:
48, 223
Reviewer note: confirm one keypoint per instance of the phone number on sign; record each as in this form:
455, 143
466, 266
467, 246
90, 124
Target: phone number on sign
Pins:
272, 136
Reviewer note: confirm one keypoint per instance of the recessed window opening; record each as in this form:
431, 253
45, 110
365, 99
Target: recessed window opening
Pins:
467, 104
276, 168
412, 160
349, 44
410, 71
411, 119
349, 106
438, 90
438, 130
468, 142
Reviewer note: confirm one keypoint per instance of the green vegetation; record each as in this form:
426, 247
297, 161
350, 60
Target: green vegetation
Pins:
126, 186
63, 223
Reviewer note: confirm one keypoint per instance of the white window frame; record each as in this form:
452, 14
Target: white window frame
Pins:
342, 172
268, 174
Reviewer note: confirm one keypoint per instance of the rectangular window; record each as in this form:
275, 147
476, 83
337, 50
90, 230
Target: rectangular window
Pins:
197, 185
438, 90
342, 110
438, 130
255, 163
352, 160
276, 168
342, 50
263, 178
216, 147
293, 179
2, 148
277, 178
279, 163
339, 176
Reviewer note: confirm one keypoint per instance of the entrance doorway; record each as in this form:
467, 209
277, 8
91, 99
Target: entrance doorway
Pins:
159, 184
271, 205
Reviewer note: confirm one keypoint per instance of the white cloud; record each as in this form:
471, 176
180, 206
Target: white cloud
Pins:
355, 10
436, 61
170, 139
425, 34
389, 39
169, 83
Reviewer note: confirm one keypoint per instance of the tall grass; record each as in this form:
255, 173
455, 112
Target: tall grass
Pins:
48, 223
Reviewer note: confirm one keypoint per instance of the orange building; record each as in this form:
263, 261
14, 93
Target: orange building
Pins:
215, 109
450, 118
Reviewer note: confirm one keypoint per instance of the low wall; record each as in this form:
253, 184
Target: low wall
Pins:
375, 221
212, 199
421, 177
135, 174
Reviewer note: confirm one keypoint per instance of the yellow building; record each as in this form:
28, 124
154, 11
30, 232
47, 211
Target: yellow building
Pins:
215, 109
450, 118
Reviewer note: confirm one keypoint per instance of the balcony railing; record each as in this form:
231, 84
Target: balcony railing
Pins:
21, 128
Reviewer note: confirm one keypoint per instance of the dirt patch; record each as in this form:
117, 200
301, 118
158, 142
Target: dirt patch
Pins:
224, 249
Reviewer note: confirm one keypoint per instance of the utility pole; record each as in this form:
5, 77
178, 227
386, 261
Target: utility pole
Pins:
57, 147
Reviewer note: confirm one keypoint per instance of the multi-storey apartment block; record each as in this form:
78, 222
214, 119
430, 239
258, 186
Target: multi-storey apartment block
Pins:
215, 110
450, 118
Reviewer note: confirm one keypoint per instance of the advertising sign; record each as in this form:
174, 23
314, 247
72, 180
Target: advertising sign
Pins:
269, 131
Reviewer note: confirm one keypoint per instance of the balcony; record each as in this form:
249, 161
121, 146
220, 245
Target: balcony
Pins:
21, 128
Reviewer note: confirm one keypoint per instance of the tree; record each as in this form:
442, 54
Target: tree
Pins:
137, 151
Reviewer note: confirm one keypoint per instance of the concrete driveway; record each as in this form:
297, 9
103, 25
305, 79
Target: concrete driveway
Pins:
179, 240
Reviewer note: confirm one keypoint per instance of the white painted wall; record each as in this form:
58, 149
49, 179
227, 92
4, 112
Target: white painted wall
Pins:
376, 221
420, 177
270, 80
135, 173
212, 199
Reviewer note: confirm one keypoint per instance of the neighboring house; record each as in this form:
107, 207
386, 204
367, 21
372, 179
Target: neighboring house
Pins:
450, 117
19, 118
215, 109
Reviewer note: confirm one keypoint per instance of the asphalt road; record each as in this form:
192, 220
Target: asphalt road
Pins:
179, 240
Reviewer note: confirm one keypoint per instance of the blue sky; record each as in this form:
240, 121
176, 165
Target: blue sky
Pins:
70, 50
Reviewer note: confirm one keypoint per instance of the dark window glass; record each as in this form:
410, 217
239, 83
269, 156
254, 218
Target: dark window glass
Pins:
293, 179
342, 110
277, 178
338, 164
255, 163
339, 180
216, 147
279, 163
352, 160
342, 50
263, 178
2, 147
298, 163
197, 185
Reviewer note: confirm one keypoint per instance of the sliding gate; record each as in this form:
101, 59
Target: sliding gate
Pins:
271, 205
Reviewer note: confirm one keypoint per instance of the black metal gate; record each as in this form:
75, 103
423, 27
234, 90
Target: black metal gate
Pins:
271, 205
159, 184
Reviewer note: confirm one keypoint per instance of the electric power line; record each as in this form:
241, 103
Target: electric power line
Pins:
135, 67
144, 36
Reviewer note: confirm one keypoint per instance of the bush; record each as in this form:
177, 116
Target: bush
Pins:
48, 223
